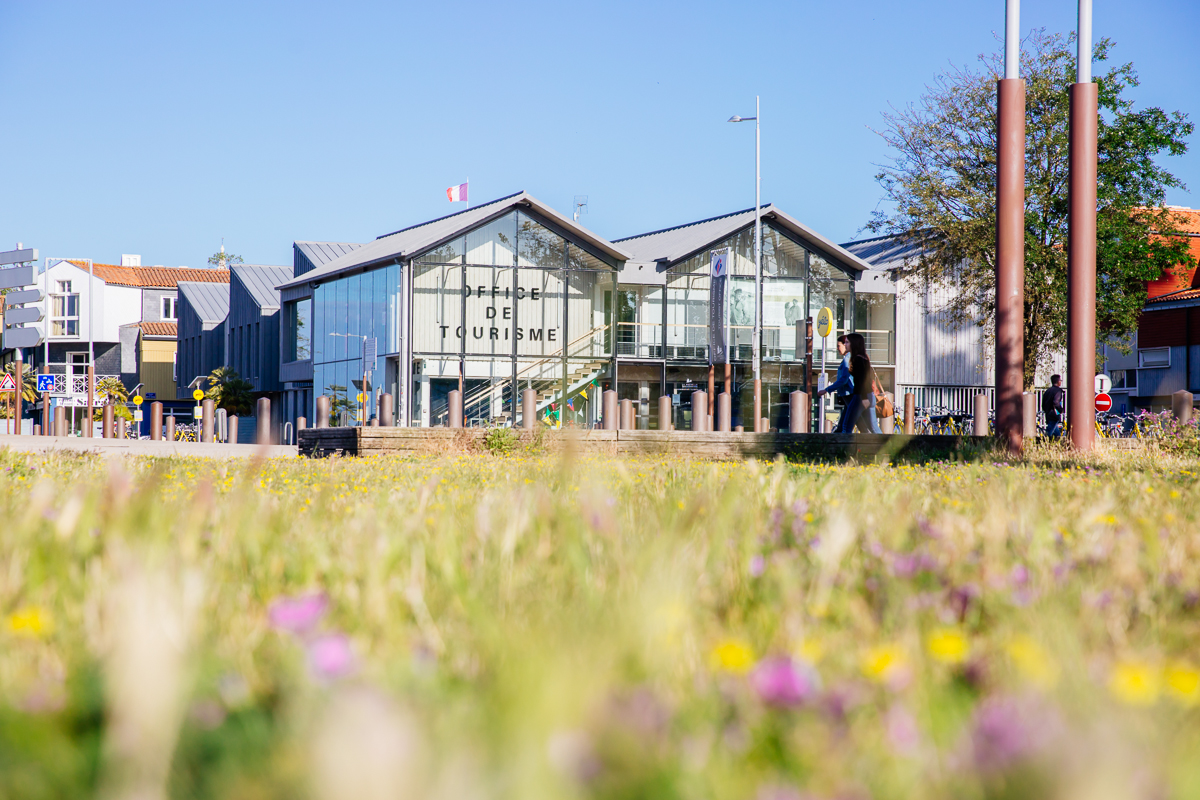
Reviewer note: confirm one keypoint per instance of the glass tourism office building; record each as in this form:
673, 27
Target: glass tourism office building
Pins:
511, 296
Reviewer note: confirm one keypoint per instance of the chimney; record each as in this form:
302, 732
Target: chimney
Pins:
130, 260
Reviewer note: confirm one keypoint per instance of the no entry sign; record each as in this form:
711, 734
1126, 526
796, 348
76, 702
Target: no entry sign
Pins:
1103, 402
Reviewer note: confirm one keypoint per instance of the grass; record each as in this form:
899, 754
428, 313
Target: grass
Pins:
514, 626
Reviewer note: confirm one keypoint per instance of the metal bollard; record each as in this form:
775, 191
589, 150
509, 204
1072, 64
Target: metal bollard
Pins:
60, 421
627, 415
264, 421
664, 412
910, 413
106, 422
1181, 406
739, 429
1029, 416
764, 425
387, 411
322, 411
120, 428
207, 412
798, 412
232, 429
724, 412
301, 424
609, 408
455, 406
980, 427
828, 426
171, 428
156, 421
699, 411
528, 409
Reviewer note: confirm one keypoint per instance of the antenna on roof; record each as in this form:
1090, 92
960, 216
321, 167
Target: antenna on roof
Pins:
580, 205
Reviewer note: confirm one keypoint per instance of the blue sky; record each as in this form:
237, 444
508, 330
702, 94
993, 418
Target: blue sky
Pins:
159, 128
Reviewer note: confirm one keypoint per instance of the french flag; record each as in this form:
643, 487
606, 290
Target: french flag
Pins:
457, 193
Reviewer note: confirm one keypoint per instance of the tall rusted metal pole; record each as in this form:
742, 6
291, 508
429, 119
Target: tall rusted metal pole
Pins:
1081, 246
1010, 236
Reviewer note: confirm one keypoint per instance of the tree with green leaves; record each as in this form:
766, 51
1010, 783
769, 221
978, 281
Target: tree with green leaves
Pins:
223, 260
230, 391
940, 192
110, 391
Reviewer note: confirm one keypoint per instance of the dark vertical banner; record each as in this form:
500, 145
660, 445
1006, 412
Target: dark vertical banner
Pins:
718, 347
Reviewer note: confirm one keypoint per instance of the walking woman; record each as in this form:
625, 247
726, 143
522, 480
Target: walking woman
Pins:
861, 409
843, 385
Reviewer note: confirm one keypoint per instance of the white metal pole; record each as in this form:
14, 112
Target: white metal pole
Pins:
1084, 57
757, 249
91, 370
1012, 39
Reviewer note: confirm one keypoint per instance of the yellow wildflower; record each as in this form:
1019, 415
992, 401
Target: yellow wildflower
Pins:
732, 656
947, 645
810, 650
1135, 683
31, 622
883, 663
1183, 683
1033, 662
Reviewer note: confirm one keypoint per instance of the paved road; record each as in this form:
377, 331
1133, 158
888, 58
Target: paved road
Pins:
144, 447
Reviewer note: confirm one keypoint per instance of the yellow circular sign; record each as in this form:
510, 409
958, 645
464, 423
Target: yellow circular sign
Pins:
360, 397
198, 395
137, 399
824, 322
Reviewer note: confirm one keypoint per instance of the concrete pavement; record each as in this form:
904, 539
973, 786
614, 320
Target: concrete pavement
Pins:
142, 447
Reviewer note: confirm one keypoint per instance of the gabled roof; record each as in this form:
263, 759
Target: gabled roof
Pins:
260, 281
164, 330
152, 277
209, 300
321, 253
1184, 294
672, 245
883, 252
408, 242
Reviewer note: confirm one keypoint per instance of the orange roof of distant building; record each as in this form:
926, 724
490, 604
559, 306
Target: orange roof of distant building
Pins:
165, 329
153, 277
1172, 283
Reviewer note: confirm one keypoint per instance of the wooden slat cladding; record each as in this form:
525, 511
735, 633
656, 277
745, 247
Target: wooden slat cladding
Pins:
1167, 328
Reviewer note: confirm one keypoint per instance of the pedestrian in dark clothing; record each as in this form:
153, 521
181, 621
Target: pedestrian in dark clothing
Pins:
864, 378
1052, 407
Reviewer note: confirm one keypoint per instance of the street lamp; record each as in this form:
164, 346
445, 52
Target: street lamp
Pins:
757, 267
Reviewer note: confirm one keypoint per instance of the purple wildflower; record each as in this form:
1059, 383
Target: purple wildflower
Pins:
298, 615
758, 565
799, 509
783, 683
1019, 575
1005, 731
902, 730
330, 656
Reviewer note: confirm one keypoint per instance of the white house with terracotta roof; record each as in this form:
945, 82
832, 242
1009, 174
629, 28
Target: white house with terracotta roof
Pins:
131, 318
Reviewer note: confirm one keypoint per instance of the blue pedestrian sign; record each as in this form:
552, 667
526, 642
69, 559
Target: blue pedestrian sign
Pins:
45, 383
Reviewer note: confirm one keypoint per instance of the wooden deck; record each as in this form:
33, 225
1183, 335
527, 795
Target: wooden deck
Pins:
685, 444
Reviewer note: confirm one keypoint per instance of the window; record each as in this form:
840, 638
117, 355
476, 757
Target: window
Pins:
170, 308
297, 318
1157, 357
64, 311
1124, 379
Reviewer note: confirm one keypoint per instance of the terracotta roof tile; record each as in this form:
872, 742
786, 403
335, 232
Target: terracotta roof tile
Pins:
160, 329
153, 277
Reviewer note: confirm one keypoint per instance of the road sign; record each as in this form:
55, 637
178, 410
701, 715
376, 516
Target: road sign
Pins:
45, 383
22, 337
198, 395
137, 399
359, 397
20, 316
19, 256
8, 383
824, 322
137, 415
1103, 383
370, 353
17, 277
24, 297
1103, 402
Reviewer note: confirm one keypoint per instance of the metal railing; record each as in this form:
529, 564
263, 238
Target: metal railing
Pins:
955, 399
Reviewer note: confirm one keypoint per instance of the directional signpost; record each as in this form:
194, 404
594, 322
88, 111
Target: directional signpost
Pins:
198, 395
8, 385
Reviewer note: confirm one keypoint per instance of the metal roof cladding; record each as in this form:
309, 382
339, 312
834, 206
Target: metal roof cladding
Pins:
672, 245
884, 252
210, 300
321, 253
407, 242
260, 281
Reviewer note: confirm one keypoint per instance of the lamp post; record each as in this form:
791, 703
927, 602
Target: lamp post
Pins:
757, 266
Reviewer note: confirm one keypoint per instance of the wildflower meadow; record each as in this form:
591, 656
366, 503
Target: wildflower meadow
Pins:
523, 626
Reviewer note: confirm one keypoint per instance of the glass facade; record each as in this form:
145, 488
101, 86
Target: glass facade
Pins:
297, 330
345, 310
508, 306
